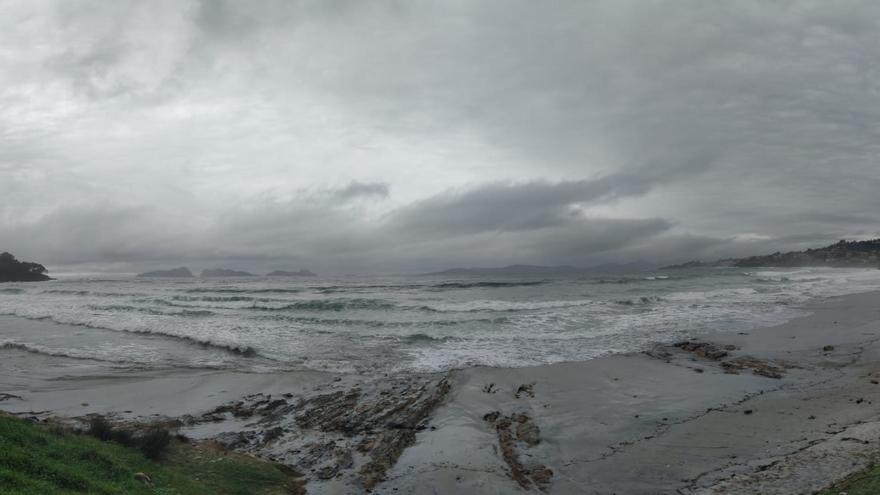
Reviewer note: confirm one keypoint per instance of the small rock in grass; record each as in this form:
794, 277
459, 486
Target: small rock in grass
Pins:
143, 478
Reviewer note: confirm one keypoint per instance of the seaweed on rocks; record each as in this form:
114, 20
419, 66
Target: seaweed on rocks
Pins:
516, 431
351, 433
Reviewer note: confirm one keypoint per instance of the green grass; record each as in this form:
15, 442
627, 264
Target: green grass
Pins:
37, 460
866, 482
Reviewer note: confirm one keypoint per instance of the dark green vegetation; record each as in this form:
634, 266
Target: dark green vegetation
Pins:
842, 254
865, 483
152, 442
41, 460
12, 270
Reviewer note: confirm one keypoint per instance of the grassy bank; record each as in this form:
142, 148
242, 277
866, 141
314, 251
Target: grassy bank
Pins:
37, 460
865, 483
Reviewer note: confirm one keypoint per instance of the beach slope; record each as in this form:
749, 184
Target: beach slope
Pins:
786, 409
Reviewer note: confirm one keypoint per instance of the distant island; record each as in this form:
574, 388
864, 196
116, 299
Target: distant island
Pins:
282, 273
12, 270
843, 254
224, 272
636, 266
182, 272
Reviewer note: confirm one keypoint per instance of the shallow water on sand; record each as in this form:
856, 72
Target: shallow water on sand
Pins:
381, 324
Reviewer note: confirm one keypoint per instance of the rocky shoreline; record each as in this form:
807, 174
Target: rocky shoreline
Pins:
786, 409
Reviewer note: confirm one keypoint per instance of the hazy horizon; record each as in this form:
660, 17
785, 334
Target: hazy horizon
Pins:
388, 137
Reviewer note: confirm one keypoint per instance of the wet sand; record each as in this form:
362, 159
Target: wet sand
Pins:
786, 409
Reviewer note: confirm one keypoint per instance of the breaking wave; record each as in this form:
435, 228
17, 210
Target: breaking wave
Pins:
478, 285
423, 338
237, 349
641, 301
383, 323
36, 349
328, 305
242, 291
150, 311
502, 306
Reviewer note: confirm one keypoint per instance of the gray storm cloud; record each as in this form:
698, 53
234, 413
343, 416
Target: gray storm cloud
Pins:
388, 136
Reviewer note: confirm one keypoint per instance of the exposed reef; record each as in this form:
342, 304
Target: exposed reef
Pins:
354, 434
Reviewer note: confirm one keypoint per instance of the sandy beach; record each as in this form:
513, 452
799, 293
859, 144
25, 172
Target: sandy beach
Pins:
786, 409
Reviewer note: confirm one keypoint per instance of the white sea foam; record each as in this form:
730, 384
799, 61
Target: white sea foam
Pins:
401, 323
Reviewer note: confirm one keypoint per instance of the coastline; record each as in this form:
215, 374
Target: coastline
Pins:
666, 421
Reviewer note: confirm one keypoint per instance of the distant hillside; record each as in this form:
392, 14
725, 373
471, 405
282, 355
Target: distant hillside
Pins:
224, 272
282, 273
841, 254
12, 270
637, 266
182, 272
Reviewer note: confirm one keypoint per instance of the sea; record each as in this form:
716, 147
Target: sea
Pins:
399, 323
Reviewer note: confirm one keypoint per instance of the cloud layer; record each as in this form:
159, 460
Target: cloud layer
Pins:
389, 136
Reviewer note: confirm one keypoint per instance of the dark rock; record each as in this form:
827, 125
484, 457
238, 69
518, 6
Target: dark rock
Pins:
513, 431
143, 479
525, 389
492, 416
702, 349
12, 270
757, 366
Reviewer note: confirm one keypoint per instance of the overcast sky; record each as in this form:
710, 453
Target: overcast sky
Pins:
400, 136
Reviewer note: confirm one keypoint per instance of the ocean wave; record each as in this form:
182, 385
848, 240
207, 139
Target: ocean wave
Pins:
69, 292
12, 290
328, 305
331, 289
641, 301
423, 338
149, 311
219, 298
36, 349
615, 280
381, 323
488, 284
502, 306
242, 291
237, 349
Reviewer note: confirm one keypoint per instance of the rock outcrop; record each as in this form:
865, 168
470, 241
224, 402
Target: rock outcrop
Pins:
12, 270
